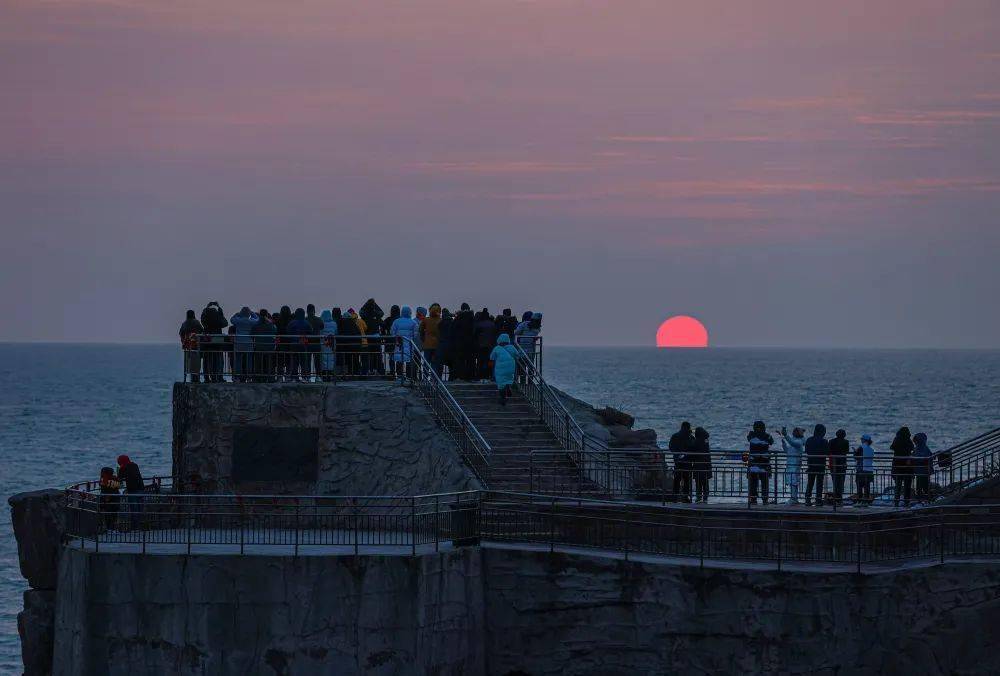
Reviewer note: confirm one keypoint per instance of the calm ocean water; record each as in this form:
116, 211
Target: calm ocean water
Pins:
66, 410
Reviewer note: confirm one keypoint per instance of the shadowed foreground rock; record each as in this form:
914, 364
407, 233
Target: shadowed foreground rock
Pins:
501, 611
39, 527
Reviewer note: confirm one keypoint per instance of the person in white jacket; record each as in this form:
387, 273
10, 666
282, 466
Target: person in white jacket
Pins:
793, 446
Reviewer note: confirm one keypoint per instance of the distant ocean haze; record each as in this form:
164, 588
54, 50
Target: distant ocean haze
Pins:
67, 410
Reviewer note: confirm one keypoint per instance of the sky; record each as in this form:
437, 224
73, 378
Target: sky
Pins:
792, 173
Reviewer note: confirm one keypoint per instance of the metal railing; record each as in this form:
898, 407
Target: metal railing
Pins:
240, 524
330, 359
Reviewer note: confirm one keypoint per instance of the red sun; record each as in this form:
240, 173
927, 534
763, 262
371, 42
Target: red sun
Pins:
682, 331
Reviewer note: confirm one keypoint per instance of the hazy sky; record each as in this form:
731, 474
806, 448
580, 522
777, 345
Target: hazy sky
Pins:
792, 173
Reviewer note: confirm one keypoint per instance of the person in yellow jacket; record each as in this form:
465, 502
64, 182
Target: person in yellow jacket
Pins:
430, 334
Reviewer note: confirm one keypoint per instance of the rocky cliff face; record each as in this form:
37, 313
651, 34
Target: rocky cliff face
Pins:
373, 438
504, 611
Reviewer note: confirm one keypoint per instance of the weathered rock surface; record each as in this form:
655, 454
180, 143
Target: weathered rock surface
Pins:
501, 611
374, 438
36, 627
609, 425
39, 526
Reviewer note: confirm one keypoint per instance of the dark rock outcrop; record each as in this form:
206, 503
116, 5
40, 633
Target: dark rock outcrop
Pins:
36, 627
39, 526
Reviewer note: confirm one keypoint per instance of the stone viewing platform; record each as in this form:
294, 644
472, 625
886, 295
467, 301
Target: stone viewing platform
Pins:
374, 526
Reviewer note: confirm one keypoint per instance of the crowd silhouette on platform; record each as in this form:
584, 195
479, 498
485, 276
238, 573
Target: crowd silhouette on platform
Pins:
913, 462
288, 346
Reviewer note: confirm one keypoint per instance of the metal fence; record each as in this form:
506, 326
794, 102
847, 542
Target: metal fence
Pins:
240, 524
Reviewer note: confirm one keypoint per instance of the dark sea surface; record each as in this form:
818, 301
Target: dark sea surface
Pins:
66, 410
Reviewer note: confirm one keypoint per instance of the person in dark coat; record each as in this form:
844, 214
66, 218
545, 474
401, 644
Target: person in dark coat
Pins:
485, 334
387, 323
902, 473
463, 344
442, 357
506, 323
110, 500
923, 466
759, 462
214, 321
285, 348
317, 328
129, 474
299, 330
348, 343
263, 335
839, 448
700, 461
189, 333
817, 451
681, 443
372, 315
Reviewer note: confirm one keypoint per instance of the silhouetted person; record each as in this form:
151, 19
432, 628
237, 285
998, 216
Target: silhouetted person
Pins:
430, 336
317, 328
902, 472
485, 331
443, 355
839, 448
371, 314
700, 460
864, 455
285, 359
214, 322
817, 450
759, 461
300, 329
404, 329
463, 343
503, 357
348, 343
242, 323
680, 445
110, 500
794, 447
922, 463
506, 323
189, 333
263, 335
131, 477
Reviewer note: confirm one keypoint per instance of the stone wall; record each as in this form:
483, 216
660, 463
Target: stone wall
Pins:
374, 438
504, 611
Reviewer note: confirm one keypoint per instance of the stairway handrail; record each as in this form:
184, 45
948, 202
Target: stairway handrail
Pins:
428, 375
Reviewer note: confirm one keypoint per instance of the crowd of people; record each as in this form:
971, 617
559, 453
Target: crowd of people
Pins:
912, 462
287, 346
111, 483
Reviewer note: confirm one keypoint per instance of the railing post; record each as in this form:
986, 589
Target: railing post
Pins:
437, 522
413, 526
297, 526
242, 517
354, 523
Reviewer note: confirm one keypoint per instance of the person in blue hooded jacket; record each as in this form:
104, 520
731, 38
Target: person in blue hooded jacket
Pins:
243, 323
405, 328
504, 360
328, 355
300, 329
922, 465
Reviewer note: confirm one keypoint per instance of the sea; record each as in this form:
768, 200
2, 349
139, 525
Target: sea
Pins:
67, 410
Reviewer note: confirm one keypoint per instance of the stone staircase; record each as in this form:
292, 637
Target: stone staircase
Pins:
512, 431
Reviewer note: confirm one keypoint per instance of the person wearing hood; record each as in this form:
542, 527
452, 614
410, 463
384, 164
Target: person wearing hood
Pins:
759, 461
817, 449
864, 456
328, 346
189, 332
348, 343
214, 321
504, 361
463, 345
299, 330
700, 462
404, 330
263, 335
129, 474
109, 500
285, 358
430, 336
506, 323
902, 472
316, 324
242, 323
793, 446
839, 448
362, 359
393, 316
419, 316
442, 356
680, 445
372, 315
922, 464
485, 332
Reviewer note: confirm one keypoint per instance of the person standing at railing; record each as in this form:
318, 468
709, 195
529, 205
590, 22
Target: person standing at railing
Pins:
317, 328
328, 354
759, 461
793, 446
503, 359
701, 464
189, 332
506, 323
372, 315
902, 472
865, 470
839, 448
299, 330
430, 336
263, 335
242, 323
817, 449
442, 357
404, 330
922, 464
680, 445
214, 321
129, 474
284, 352
110, 500
485, 331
